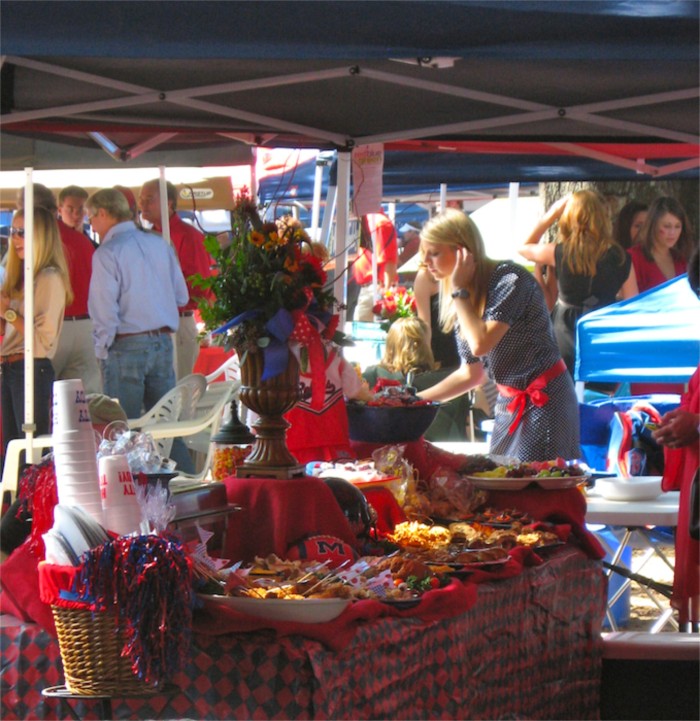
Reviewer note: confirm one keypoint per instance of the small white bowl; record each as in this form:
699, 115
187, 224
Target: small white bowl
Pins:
634, 488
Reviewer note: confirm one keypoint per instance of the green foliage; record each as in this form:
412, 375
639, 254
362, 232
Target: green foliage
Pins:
266, 267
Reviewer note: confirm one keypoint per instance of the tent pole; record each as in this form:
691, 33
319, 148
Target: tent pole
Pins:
164, 214
329, 210
341, 231
513, 194
316, 207
29, 427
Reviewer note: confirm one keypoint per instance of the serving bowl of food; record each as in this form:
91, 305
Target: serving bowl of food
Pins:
390, 423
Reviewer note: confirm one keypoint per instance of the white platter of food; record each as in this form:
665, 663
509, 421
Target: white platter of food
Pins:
304, 610
489, 483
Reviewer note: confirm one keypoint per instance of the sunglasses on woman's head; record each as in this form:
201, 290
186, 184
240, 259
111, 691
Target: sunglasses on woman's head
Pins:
17, 231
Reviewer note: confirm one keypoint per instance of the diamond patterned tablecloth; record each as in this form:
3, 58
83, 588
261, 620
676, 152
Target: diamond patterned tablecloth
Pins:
529, 648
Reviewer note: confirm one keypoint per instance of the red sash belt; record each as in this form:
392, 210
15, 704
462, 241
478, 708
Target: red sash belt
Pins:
535, 392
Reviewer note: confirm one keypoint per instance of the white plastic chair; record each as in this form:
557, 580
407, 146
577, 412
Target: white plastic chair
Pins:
196, 383
10, 471
230, 369
196, 432
168, 409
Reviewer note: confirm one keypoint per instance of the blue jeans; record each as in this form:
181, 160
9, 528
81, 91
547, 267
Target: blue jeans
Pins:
13, 399
138, 372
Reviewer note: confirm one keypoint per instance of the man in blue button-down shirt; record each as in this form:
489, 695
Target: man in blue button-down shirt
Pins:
135, 291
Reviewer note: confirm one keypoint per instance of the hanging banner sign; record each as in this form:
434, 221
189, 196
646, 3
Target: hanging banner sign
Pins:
210, 194
367, 169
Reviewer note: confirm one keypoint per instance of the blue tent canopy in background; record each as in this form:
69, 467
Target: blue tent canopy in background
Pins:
654, 336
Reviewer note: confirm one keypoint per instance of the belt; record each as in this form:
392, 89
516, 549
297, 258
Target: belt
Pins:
186, 313
589, 304
11, 358
76, 317
535, 392
157, 331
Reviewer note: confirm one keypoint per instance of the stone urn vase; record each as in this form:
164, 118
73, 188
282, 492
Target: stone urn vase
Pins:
270, 399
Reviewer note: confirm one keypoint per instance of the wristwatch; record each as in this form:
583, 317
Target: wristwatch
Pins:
10, 315
461, 293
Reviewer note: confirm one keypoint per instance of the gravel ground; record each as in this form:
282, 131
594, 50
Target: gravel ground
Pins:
643, 611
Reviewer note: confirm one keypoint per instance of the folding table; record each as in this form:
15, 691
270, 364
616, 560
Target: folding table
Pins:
635, 517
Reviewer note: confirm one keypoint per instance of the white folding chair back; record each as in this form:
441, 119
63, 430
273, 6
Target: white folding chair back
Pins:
13, 455
230, 369
196, 432
168, 409
196, 384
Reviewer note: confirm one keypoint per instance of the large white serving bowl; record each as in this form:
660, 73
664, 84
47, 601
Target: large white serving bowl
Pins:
634, 488
308, 610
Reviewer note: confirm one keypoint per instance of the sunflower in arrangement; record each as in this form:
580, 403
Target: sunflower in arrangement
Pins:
270, 287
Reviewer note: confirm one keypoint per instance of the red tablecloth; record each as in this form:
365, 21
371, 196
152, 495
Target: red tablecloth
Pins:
566, 505
530, 647
276, 513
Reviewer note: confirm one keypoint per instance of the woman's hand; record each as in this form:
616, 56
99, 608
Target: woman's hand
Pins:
546, 221
364, 394
4, 303
556, 209
461, 380
678, 428
463, 272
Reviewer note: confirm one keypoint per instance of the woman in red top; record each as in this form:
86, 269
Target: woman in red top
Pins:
661, 253
664, 244
679, 433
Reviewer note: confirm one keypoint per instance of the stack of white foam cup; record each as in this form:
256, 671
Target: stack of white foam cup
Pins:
120, 507
74, 449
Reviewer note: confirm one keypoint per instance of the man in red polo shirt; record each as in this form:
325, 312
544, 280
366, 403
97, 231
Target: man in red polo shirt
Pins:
75, 353
189, 246
377, 233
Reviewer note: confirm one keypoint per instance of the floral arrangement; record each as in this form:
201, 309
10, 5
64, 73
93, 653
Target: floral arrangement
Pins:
395, 303
269, 288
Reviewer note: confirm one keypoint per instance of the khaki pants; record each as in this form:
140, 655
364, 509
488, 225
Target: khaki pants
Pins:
75, 355
186, 346
365, 303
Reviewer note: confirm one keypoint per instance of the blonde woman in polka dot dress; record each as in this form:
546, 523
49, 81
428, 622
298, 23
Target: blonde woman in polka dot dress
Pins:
498, 312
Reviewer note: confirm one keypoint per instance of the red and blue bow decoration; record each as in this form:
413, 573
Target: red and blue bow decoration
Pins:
308, 326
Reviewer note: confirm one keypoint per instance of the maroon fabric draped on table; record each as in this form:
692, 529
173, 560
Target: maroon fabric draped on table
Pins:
530, 647
278, 512
566, 505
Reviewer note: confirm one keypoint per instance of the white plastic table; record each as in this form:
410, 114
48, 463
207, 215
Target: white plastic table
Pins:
635, 519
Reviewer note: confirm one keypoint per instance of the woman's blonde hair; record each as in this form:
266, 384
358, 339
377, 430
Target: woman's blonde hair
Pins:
454, 228
585, 231
407, 347
48, 253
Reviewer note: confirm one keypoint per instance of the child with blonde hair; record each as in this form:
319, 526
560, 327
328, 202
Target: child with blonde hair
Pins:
407, 351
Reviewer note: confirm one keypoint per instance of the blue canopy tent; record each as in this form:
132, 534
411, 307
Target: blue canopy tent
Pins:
653, 336
329, 74
137, 76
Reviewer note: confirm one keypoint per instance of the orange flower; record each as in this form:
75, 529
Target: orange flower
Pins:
257, 238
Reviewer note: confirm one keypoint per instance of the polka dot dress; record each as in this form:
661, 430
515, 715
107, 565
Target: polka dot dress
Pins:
524, 353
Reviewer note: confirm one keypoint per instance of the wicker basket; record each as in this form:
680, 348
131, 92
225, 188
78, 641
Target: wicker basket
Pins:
91, 654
